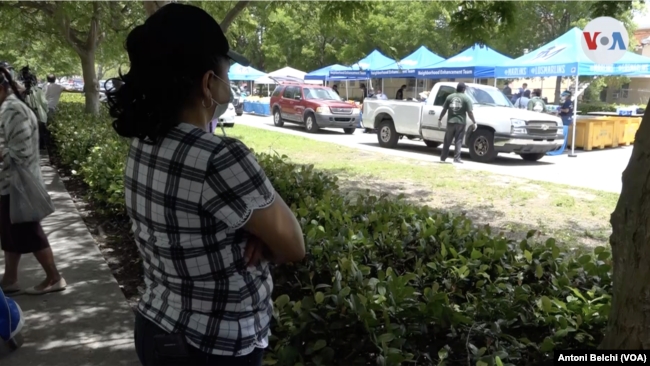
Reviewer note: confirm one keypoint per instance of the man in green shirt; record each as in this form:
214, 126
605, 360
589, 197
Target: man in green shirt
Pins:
458, 105
536, 103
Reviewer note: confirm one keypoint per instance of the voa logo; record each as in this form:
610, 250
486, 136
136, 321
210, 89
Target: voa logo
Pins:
604, 40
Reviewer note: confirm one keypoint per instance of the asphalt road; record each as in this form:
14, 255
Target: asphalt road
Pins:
596, 169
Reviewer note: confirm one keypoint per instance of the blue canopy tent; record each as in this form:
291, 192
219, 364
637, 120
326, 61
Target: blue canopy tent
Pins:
421, 58
564, 57
324, 73
244, 73
361, 69
475, 62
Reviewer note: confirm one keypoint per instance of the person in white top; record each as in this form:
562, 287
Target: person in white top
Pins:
52, 93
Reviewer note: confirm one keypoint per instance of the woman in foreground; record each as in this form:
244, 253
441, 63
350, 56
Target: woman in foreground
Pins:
206, 219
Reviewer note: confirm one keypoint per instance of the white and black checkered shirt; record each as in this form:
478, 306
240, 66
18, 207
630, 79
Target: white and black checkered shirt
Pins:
189, 196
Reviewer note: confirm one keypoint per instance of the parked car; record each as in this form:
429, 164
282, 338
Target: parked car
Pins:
502, 128
238, 100
228, 118
314, 106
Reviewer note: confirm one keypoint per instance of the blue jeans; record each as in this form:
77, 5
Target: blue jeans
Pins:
567, 120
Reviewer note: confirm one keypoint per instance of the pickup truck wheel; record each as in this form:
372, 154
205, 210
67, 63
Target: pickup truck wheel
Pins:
349, 131
481, 146
277, 118
387, 135
532, 157
310, 123
431, 144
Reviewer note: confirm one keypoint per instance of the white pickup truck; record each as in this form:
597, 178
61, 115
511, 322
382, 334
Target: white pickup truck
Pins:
502, 128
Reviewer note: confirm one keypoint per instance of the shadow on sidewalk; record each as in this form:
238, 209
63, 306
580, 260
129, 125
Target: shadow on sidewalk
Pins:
90, 322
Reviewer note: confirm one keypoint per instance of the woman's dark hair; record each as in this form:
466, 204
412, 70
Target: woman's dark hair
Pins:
537, 92
169, 54
7, 82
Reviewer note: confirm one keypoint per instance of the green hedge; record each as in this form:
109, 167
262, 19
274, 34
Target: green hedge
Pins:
587, 107
386, 282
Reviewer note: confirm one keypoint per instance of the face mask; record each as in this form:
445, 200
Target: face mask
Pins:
221, 108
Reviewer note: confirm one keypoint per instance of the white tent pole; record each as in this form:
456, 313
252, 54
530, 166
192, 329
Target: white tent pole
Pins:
495, 80
415, 90
382, 86
575, 114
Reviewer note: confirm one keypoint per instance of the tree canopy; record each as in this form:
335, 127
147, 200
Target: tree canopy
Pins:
59, 36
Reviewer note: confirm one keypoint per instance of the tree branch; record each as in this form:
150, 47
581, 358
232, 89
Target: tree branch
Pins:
232, 14
47, 8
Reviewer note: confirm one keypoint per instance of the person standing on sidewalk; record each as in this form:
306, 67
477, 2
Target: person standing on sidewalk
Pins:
205, 217
19, 142
52, 94
458, 105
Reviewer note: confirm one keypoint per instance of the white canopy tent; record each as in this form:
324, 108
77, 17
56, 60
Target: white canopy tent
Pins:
286, 72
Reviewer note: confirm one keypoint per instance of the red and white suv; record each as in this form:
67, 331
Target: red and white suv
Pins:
314, 106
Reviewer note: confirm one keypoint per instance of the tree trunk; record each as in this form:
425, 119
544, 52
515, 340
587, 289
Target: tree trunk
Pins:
629, 318
100, 72
558, 89
151, 6
91, 86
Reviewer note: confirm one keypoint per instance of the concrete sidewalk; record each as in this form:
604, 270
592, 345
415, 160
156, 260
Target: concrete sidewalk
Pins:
90, 323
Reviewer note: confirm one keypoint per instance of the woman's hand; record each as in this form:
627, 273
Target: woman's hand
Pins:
254, 251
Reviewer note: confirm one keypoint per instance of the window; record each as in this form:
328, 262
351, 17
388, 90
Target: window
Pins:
277, 92
288, 92
487, 96
625, 90
293, 92
320, 93
442, 95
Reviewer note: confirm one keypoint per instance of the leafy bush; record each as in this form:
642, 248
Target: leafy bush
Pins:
388, 282
89, 146
600, 107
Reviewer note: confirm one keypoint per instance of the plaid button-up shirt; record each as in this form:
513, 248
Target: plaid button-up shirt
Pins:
188, 197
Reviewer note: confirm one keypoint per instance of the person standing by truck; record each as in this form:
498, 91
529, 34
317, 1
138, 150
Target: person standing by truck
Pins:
400, 93
536, 103
458, 105
566, 110
507, 90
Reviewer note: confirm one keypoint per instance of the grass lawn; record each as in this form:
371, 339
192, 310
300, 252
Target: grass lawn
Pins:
575, 216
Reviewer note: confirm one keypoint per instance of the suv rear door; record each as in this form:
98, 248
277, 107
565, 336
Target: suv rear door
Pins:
288, 103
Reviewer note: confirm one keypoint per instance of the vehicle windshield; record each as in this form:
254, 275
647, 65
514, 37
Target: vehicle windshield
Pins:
320, 93
487, 96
